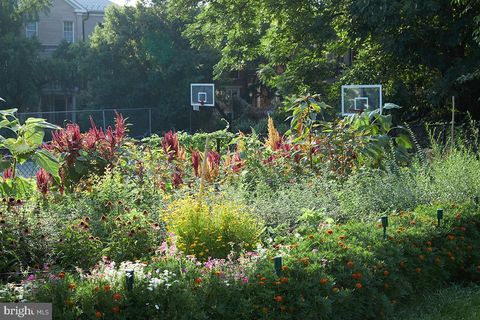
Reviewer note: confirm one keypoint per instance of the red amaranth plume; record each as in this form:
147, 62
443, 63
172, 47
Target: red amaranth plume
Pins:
196, 160
67, 140
8, 174
44, 179
213, 159
177, 178
170, 144
120, 127
237, 162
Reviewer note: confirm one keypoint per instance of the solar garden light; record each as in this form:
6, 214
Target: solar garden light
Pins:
277, 263
439, 215
384, 225
129, 276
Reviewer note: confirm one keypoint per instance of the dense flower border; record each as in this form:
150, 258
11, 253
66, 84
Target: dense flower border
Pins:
346, 271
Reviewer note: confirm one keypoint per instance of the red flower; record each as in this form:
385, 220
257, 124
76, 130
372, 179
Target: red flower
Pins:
196, 159
198, 280
44, 180
106, 288
8, 174
278, 298
170, 144
117, 296
358, 285
115, 310
329, 231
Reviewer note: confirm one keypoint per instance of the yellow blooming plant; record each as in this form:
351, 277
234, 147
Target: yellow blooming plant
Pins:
213, 228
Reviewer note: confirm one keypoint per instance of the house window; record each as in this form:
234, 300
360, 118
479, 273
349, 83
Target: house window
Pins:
31, 29
68, 31
234, 75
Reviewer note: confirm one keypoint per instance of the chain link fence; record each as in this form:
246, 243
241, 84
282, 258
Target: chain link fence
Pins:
139, 122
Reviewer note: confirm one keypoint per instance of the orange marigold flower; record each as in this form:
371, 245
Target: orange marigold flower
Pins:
284, 268
98, 314
61, 275
106, 288
386, 273
278, 298
342, 237
262, 283
418, 270
311, 236
72, 286
284, 280
429, 249
350, 264
358, 285
115, 310
323, 281
450, 237
198, 280
117, 296
329, 231
218, 273
263, 279
413, 222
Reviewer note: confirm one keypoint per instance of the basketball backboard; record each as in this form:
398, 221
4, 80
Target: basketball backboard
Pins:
359, 98
202, 94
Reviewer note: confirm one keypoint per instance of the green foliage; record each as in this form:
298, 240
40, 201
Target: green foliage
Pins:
212, 229
345, 271
22, 142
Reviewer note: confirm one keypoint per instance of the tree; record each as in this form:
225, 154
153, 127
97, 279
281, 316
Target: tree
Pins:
423, 51
20, 67
138, 58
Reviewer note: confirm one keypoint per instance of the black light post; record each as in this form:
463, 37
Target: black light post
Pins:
439, 216
129, 276
277, 262
384, 225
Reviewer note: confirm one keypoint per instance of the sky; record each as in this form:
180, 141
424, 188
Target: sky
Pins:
123, 2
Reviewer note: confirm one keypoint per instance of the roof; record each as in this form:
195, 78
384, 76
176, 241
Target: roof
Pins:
90, 5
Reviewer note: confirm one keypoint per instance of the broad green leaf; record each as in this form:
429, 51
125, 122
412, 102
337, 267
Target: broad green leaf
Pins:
47, 161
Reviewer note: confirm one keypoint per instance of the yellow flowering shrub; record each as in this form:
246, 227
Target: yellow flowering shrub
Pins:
212, 229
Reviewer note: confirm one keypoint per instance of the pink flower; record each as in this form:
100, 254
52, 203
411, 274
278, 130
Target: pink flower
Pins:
245, 280
8, 174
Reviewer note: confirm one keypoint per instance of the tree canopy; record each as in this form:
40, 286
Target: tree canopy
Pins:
422, 51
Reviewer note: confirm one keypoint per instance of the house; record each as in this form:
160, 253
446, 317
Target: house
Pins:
71, 21
67, 20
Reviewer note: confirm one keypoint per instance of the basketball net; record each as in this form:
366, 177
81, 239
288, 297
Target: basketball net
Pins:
197, 107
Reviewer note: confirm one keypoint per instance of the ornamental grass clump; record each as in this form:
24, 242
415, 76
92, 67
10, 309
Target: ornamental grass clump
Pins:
213, 228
